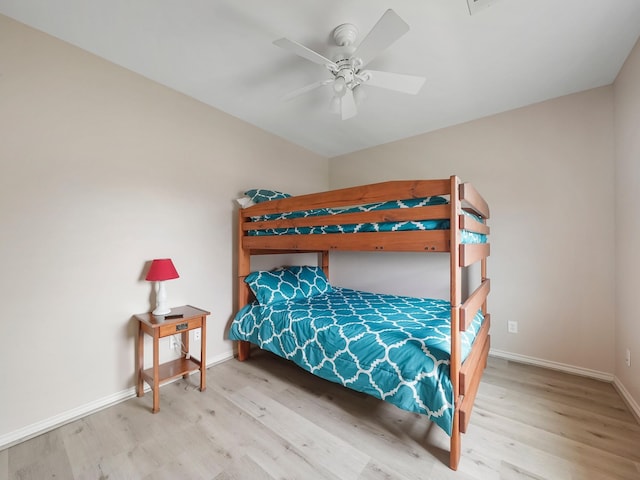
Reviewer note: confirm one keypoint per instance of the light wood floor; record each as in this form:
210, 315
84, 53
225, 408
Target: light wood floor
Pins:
267, 419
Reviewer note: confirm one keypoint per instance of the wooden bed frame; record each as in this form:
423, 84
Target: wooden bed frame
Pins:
465, 377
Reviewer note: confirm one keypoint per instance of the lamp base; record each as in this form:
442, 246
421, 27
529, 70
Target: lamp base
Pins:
161, 311
161, 300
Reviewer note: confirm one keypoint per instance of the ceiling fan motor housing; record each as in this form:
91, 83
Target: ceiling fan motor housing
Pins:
344, 35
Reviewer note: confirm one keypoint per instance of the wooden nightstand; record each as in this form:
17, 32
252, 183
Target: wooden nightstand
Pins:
158, 327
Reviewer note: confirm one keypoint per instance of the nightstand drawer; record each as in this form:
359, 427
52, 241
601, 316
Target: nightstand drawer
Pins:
179, 327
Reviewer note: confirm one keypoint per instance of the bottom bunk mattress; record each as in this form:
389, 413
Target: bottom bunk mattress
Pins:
395, 348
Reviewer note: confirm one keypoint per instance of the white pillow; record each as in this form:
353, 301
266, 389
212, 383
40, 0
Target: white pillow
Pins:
245, 202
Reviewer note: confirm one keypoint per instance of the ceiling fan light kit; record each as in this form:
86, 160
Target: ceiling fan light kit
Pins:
347, 68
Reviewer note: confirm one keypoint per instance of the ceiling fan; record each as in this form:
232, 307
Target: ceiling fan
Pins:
347, 68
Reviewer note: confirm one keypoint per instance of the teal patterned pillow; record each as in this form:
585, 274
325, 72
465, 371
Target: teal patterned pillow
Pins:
258, 195
292, 283
437, 201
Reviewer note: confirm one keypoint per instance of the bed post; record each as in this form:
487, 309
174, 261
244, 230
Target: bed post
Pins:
323, 258
456, 294
244, 267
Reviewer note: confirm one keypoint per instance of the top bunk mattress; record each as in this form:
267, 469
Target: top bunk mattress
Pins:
466, 237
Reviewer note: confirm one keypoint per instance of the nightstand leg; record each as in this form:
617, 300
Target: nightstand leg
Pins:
185, 342
156, 374
203, 355
140, 361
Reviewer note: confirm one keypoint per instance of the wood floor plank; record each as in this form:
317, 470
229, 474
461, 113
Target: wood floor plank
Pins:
275, 455
583, 457
400, 442
43, 457
509, 471
516, 456
289, 463
186, 465
52, 465
244, 468
378, 428
408, 442
374, 471
586, 426
558, 386
441, 471
4, 463
313, 442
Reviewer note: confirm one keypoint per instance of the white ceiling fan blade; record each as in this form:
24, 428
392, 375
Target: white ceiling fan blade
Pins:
304, 52
389, 28
394, 81
305, 89
348, 107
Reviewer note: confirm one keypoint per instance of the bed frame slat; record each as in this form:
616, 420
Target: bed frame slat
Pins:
471, 198
471, 306
469, 366
467, 402
426, 241
471, 253
431, 212
472, 225
376, 192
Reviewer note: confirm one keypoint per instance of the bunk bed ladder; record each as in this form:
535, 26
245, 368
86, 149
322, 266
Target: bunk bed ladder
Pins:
465, 378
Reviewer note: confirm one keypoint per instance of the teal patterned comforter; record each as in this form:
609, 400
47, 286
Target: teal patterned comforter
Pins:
392, 347
441, 224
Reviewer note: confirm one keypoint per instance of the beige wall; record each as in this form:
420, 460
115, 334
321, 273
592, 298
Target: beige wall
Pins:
101, 171
546, 171
627, 138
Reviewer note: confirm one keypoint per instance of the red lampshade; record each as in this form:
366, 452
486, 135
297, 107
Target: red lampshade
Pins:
161, 269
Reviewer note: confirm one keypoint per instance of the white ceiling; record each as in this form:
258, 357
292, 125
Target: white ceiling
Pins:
511, 54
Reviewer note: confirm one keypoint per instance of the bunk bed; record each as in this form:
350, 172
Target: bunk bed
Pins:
444, 215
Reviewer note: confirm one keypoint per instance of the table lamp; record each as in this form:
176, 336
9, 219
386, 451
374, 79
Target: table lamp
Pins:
161, 269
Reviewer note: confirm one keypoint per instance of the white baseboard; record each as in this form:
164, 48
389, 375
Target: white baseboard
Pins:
12, 438
630, 401
563, 367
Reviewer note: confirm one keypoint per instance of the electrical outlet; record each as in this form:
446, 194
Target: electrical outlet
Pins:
628, 358
196, 334
512, 326
174, 343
